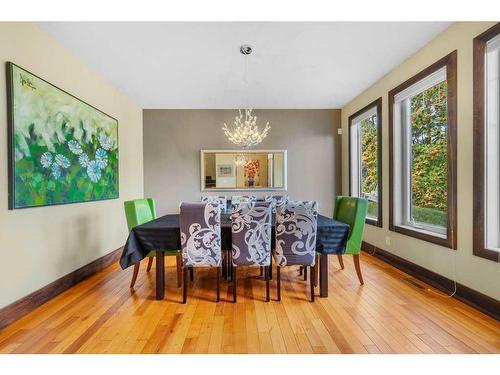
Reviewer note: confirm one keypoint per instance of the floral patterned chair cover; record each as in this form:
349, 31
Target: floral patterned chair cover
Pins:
251, 238
251, 233
200, 239
296, 225
200, 234
276, 200
220, 199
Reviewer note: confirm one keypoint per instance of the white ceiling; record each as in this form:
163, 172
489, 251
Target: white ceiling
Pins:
198, 64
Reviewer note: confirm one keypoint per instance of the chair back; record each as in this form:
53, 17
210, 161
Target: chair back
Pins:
200, 234
296, 225
352, 211
139, 211
220, 199
251, 233
276, 200
243, 198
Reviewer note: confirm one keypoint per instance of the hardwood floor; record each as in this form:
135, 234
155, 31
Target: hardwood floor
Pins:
386, 315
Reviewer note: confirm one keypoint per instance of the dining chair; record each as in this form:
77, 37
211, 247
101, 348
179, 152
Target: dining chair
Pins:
243, 198
140, 211
296, 227
352, 211
200, 239
251, 239
276, 200
220, 199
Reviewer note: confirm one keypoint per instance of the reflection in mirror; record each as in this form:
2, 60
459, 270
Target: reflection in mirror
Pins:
255, 169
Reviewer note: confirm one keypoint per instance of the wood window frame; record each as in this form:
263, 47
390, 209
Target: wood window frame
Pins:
479, 49
450, 62
378, 104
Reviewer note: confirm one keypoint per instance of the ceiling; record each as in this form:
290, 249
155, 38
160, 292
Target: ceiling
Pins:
198, 64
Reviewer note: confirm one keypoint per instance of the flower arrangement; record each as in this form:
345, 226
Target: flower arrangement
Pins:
252, 169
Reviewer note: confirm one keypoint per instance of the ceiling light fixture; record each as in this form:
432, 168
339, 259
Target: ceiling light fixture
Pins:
244, 131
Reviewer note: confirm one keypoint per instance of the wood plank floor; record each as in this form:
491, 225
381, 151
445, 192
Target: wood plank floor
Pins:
386, 315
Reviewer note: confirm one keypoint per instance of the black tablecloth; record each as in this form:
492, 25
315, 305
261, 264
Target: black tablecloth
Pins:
163, 234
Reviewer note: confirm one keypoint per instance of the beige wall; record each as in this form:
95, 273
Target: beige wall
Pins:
173, 140
477, 273
39, 245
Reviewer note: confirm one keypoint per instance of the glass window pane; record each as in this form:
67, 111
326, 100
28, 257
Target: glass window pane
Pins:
429, 177
369, 162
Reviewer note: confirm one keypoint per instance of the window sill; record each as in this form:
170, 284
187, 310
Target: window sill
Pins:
424, 235
374, 222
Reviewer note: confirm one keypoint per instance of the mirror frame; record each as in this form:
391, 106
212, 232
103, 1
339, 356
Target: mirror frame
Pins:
250, 151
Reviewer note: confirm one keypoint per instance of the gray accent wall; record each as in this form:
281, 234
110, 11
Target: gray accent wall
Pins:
173, 139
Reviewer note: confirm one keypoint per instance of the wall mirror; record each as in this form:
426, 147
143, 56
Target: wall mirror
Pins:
243, 170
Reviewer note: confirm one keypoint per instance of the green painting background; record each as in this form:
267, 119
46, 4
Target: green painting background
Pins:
45, 122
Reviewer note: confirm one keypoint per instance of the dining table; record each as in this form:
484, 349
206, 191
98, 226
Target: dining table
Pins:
163, 234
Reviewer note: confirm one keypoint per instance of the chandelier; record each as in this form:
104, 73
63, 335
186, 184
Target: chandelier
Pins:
245, 132
240, 160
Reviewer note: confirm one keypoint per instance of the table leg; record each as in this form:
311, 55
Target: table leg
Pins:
160, 275
323, 275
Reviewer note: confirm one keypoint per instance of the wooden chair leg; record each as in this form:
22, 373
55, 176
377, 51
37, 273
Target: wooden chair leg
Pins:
312, 280
278, 282
261, 271
358, 268
185, 286
341, 261
178, 261
150, 263
267, 284
305, 273
300, 270
316, 271
230, 266
191, 274
134, 274
219, 269
235, 292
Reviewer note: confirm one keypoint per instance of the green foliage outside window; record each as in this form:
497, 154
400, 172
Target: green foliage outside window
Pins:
429, 179
369, 180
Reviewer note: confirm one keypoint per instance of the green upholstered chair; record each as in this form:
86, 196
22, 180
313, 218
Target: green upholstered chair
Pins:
352, 211
140, 211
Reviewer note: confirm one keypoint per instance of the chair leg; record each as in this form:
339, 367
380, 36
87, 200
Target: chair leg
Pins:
358, 268
224, 268
191, 274
185, 286
300, 270
235, 292
305, 273
278, 282
230, 266
178, 261
134, 274
341, 261
267, 284
312, 281
219, 269
316, 271
261, 271
271, 267
150, 263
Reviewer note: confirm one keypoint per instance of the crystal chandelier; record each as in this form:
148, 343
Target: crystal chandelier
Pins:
245, 132
240, 160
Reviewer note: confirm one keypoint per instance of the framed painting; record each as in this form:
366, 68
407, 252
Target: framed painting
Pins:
61, 149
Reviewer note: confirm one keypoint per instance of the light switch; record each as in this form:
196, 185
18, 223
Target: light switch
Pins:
339, 131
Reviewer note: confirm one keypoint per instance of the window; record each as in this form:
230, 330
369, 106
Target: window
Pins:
487, 144
365, 153
422, 133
